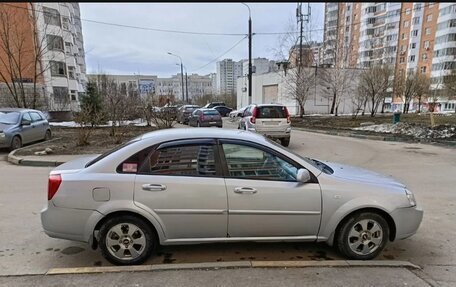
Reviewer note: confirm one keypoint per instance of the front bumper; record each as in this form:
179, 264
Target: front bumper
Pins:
69, 223
407, 221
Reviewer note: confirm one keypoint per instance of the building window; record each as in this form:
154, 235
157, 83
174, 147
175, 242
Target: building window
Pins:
414, 33
60, 94
71, 72
423, 69
347, 19
406, 24
66, 23
404, 36
428, 31
74, 95
402, 48
424, 56
412, 58
68, 46
408, 11
54, 42
58, 69
426, 44
51, 16
401, 60
416, 20
412, 45
429, 18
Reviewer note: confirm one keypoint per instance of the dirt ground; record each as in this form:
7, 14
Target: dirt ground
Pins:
348, 122
100, 141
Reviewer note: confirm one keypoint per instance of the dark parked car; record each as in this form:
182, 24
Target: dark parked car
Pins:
214, 104
170, 112
185, 112
223, 110
205, 118
22, 126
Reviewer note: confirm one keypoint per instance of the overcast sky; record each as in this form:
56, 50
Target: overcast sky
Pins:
121, 50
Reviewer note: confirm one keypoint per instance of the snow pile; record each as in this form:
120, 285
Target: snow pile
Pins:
414, 130
72, 124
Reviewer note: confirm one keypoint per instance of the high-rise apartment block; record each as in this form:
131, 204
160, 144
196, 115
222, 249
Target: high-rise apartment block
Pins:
410, 36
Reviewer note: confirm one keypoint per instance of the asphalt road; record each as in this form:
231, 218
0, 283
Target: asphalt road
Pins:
428, 170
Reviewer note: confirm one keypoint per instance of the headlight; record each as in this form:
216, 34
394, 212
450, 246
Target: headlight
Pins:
2, 135
410, 197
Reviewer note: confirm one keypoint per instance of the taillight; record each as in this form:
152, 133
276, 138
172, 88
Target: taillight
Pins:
288, 115
53, 185
254, 115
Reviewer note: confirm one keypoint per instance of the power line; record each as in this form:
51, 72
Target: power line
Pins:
226, 52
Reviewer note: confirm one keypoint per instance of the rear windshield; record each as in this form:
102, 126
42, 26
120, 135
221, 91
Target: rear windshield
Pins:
271, 112
214, 113
9, 118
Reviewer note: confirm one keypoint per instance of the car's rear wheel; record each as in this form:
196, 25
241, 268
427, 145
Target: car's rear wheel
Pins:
285, 141
126, 240
16, 143
362, 236
47, 135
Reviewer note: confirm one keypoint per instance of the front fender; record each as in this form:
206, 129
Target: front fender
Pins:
330, 223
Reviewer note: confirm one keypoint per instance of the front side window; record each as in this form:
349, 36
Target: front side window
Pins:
252, 163
186, 160
35, 117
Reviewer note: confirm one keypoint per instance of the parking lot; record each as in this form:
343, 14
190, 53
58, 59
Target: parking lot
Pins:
427, 170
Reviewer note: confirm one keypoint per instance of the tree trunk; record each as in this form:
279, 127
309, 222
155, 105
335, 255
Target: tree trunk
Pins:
301, 110
333, 105
383, 107
419, 104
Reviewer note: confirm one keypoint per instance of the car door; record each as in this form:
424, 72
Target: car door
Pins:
182, 184
38, 126
27, 131
264, 198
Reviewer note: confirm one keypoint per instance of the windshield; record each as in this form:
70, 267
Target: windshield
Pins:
313, 162
9, 118
213, 113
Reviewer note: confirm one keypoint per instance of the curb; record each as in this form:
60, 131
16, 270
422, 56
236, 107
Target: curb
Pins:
388, 137
233, 264
14, 159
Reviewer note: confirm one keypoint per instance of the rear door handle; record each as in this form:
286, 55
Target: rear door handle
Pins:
245, 190
153, 187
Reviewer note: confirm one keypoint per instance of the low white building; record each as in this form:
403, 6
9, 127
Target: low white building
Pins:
274, 88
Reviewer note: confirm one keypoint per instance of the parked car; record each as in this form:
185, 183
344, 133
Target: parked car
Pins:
214, 104
237, 114
191, 186
185, 112
271, 120
223, 110
169, 111
205, 118
22, 126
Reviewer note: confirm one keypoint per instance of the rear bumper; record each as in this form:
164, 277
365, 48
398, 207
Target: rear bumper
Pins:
273, 134
407, 221
69, 223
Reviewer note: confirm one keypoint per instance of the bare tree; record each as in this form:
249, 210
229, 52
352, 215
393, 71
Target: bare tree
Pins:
412, 85
300, 83
338, 83
375, 83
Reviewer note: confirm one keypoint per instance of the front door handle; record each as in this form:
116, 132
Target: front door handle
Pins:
245, 190
153, 187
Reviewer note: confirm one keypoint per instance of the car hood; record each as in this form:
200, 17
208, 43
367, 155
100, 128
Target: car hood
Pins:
4, 127
362, 175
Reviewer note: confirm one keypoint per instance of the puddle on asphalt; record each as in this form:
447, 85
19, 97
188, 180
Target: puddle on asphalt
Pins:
72, 250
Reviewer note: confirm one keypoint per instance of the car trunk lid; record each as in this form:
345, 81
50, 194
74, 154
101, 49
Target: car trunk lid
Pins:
73, 166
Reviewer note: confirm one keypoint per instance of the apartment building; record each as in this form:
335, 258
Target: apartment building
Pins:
227, 73
410, 36
311, 53
52, 34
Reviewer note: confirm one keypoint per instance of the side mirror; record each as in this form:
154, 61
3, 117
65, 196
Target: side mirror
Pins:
303, 175
26, 122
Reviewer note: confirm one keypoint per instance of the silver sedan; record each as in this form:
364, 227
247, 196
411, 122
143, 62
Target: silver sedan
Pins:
189, 186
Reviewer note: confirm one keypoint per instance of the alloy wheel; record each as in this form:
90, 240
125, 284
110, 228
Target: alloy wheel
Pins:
365, 236
125, 241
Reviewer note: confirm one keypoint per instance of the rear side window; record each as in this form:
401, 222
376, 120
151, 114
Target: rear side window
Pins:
271, 112
102, 156
187, 160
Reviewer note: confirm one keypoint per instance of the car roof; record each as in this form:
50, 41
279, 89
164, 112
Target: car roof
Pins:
269, 105
225, 107
17, 110
188, 133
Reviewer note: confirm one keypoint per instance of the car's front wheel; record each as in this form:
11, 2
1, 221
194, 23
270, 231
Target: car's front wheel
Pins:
47, 135
126, 240
16, 143
363, 236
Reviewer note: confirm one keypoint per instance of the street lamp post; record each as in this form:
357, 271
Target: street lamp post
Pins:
182, 72
250, 54
186, 84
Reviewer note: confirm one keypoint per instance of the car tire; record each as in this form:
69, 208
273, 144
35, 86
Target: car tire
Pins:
16, 143
48, 135
142, 241
285, 141
198, 124
362, 236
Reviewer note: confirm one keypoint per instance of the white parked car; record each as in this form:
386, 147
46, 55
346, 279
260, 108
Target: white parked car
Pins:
191, 186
